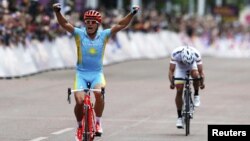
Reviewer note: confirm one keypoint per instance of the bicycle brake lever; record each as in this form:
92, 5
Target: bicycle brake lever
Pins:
103, 90
69, 93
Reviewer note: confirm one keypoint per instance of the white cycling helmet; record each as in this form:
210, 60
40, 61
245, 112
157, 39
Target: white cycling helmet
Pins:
187, 56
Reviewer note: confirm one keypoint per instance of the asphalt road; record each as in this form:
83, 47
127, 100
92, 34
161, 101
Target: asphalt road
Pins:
139, 104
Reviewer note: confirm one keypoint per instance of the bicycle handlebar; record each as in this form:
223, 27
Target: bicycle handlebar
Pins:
86, 90
187, 78
70, 91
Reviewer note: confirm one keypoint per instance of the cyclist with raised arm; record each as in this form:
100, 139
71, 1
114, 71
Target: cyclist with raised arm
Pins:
183, 59
90, 43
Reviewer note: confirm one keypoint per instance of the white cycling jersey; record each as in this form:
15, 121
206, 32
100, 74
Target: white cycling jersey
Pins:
181, 68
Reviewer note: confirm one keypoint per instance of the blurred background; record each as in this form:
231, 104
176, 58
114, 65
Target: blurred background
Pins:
215, 27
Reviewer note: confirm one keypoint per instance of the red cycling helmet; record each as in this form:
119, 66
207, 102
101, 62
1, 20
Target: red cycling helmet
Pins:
93, 14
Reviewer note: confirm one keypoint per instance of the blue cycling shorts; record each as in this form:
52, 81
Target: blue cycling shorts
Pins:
94, 78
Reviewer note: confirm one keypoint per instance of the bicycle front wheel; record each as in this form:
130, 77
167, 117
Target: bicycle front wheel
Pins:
187, 112
187, 121
91, 122
86, 135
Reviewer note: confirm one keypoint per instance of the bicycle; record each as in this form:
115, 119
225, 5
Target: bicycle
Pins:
188, 105
88, 121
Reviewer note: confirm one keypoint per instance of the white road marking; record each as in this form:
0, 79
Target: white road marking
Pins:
39, 139
135, 122
37, 118
138, 122
62, 131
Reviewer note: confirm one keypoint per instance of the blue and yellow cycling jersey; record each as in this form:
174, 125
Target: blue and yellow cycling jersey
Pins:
90, 52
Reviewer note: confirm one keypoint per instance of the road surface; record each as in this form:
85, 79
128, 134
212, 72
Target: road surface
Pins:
139, 104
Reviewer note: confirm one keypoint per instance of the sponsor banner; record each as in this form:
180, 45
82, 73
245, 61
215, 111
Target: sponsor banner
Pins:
61, 53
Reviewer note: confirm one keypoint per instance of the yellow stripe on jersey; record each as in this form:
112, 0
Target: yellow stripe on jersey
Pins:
103, 80
75, 82
78, 46
105, 43
176, 82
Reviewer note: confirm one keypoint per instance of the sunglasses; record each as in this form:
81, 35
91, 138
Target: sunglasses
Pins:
91, 22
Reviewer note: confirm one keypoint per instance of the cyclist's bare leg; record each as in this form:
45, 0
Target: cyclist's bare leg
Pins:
99, 107
99, 103
196, 85
178, 98
79, 97
195, 74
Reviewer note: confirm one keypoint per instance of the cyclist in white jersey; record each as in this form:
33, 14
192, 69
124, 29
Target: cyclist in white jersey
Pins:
183, 59
91, 44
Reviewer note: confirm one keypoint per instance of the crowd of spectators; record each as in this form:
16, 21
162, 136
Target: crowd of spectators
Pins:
29, 20
26, 21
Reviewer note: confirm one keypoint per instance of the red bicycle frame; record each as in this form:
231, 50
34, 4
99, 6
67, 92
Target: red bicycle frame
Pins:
88, 121
89, 117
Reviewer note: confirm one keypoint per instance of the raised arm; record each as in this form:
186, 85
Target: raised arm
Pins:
61, 20
124, 22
